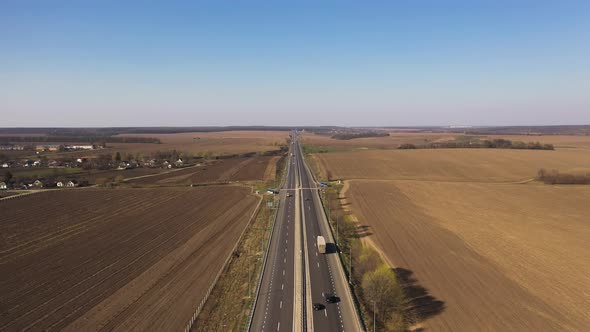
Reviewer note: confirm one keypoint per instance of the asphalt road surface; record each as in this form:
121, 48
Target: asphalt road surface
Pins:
320, 274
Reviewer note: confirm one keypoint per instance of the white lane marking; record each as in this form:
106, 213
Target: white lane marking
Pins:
326, 312
281, 306
283, 272
318, 265
282, 286
279, 326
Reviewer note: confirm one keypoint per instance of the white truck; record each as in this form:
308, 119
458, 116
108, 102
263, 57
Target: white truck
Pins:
321, 245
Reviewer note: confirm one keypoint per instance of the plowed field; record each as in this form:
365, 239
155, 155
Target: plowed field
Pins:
223, 170
122, 259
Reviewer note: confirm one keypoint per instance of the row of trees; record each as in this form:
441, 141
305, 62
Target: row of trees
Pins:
375, 283
479, 144
349, 135
555, 177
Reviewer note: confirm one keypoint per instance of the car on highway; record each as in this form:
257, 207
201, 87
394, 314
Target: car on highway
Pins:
331, 298
318, 306
289, 195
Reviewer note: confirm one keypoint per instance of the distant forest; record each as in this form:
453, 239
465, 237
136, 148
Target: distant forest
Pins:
77, 139
352, 135
479, 144
131, 130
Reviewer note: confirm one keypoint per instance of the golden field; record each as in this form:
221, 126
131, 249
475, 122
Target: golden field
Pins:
503, 252
397, 138
482, 165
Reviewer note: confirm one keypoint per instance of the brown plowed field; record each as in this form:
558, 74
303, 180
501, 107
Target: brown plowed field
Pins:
481, 249
217, 143
122, 259
222, 170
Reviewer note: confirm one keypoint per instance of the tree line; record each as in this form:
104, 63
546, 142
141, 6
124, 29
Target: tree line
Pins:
382, 298
555, 177
349, 136
78, 139
481, 144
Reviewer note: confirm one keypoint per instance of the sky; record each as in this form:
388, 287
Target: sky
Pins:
294, 63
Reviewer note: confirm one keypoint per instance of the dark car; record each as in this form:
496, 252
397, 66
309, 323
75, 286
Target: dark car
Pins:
331, 298
307, 199
318, 306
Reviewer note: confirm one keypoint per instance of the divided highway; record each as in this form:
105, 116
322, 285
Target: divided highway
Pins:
296, 276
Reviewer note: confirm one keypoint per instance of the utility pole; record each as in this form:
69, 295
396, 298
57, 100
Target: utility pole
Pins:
250, 278
350, 266
337, 230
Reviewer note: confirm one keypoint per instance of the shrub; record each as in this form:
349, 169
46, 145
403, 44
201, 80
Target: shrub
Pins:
406, 146
555, 177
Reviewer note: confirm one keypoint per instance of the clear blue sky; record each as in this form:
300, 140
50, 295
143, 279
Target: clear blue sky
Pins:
148, 63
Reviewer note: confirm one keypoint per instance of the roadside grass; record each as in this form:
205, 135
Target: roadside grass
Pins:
231, 302
229, 305
308, 148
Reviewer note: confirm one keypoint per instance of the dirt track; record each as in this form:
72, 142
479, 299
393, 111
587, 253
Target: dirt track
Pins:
127, 259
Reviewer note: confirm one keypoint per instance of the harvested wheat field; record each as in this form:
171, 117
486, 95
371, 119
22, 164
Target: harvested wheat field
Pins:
396, 139
121, 259
502, 257
222, 170
494, 251
466, 165
386, 142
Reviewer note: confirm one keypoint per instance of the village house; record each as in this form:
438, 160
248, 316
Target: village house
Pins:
59, 184
11, 147
47, 147
5, 165
72, 184
179, 163
80, 147
37, 184
3, 186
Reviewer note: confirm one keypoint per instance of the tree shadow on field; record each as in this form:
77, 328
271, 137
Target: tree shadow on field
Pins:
420, 304
363, 231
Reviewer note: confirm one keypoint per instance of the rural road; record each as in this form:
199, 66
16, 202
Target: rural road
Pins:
296, 275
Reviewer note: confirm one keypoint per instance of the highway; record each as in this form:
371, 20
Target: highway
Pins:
295, 275
274, 306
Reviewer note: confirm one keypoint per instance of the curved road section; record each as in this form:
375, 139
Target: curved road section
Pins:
297, 280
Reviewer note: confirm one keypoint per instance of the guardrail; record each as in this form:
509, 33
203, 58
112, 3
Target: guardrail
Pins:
193, 319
